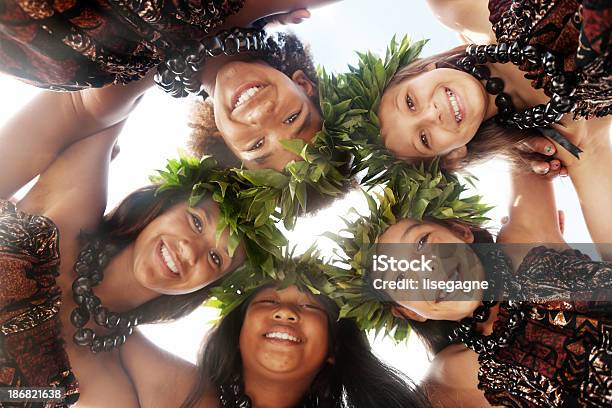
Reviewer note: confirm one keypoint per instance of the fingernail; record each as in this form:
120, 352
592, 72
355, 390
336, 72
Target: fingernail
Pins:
545, 171
555, 165
549, 149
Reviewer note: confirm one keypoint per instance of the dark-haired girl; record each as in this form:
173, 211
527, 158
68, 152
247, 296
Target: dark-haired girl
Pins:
520, 354
450, 106
281, 348
75, 281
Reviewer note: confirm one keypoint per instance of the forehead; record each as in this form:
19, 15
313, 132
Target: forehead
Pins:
395, 233
287, 294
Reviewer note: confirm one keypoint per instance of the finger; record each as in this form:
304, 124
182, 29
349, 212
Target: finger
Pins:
294, 17
504, 220
561, 216
540, 167
537, 144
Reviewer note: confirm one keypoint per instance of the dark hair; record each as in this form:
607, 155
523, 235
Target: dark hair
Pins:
357, 378
287, 54
123, 225
490, 139
434, 333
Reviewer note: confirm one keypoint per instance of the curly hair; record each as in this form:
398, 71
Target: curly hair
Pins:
286, 53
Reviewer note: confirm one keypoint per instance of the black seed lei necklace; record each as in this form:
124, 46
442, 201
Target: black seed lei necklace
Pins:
89, 268
562, 84
179, 75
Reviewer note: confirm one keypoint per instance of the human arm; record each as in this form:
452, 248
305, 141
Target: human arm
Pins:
160, 378
284, 11
72, 190
52, 121
592, 175
532, 212
469, 18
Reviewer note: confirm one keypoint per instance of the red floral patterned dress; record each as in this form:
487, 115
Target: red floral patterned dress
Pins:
75, 44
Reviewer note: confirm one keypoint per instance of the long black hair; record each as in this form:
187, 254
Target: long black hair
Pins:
356, 379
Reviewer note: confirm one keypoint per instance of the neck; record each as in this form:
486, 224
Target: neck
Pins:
119, 291
275, 393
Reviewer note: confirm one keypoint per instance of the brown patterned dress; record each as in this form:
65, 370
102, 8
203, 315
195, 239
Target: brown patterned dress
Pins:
75, 44
561, 356
31, 351
580, 31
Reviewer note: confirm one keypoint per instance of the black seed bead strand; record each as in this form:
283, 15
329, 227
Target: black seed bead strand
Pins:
466, 331
179, 74
89, 268
562, 84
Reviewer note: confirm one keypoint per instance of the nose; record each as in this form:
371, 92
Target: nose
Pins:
432, 115
261, 112
286, 313
188, 252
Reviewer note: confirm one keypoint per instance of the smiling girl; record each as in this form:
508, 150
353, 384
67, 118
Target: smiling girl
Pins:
280, 348
67, 267
546, 66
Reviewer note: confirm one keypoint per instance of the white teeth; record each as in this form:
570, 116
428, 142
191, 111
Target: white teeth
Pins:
247, 94
168, 259
453, 100
282, 336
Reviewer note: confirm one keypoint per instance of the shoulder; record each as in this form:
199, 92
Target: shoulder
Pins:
452, 379
454, 365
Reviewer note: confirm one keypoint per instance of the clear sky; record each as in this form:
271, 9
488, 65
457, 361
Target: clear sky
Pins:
158, 127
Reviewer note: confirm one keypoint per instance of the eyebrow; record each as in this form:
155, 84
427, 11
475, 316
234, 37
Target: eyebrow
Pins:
409, 229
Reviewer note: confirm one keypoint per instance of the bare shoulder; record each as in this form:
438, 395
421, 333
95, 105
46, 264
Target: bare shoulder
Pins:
470, 18
452, 379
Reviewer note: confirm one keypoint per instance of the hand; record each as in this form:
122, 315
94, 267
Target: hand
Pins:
540, 150
292, 17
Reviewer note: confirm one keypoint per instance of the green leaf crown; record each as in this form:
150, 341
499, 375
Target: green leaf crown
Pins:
359, 92
202, 178
417, 192
308, 271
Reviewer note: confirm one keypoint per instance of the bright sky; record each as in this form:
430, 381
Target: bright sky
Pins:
158, 127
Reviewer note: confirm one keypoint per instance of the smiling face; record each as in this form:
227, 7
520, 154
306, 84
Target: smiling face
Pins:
176, 253
434, 113
257, 107
453, 261
284, 335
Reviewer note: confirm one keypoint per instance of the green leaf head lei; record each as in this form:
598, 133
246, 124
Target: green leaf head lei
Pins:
323, 168
204, 178
308, 272
360, 90
417, 192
